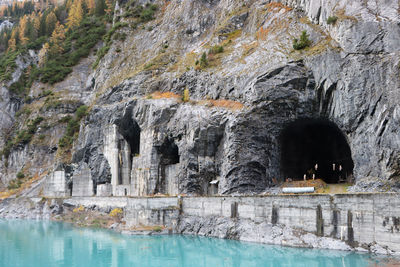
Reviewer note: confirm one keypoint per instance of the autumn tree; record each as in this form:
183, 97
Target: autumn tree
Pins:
12, 44
57, 38
75, 14
43, 54
91, 5
109, 7
23, 28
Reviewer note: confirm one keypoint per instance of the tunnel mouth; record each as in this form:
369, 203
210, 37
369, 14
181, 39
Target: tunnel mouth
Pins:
315, 148
169, 152
130, 131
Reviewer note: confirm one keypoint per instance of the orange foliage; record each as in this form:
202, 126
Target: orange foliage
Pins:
262, 33
222, 103
276, 7
159, 95
165, 5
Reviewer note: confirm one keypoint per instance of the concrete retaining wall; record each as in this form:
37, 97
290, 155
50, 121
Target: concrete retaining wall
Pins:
359, 219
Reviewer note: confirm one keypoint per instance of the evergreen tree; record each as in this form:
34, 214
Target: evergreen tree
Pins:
42, 26
100, 7
51, 21
31, 32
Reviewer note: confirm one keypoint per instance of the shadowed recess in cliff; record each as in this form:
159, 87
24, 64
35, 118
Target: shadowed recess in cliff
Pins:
169, 155
130, 130
169, 152
315, 147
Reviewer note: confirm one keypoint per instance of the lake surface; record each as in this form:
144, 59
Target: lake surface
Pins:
42, 243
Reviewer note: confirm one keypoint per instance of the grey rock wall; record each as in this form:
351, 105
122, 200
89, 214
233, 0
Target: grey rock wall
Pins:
349, 76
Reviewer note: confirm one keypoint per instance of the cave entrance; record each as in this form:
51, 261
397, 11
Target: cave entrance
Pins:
315, 147
167, 172
130, 130
128, 147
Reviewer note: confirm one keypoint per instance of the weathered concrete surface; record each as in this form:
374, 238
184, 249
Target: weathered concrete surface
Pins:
362, 222
56, 186
82, 182
104, 190
152, 211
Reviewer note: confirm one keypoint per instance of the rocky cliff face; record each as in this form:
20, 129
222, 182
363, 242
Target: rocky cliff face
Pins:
141, 138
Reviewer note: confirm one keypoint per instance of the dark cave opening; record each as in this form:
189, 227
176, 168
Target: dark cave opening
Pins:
169, 152
315, 147
128, 148
169, 155
130, 130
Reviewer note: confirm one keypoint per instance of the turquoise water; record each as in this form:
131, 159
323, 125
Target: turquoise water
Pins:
41, 244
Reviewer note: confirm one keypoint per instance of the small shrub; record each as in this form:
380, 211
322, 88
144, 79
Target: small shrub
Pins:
331, 20
28, 99
79, 209
81, 112
148, 65
303, 42
186, 97
45, 93
22, 111
157, 228
203, 62
14, 184
20, 175
65, 119
117, 212
147, 14
119, 36
217, 49
100, 54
